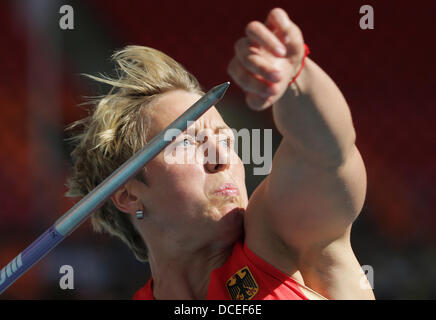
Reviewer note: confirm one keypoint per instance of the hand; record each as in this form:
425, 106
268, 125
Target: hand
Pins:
267, 59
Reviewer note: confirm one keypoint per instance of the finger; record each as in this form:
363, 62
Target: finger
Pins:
278, 21
286, 30
254, 62
261, 35
248, 81
256, 102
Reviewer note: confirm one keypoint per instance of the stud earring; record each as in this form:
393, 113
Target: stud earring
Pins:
139, 214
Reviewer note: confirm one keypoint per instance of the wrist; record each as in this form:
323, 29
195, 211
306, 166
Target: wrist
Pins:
300, 68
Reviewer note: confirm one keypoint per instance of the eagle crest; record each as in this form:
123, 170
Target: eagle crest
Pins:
242, 286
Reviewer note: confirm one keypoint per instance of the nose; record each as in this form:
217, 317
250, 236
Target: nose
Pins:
217, 156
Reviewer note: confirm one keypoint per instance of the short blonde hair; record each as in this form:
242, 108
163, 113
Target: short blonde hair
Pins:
118, 127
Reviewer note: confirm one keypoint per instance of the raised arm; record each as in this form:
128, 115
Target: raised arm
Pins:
317, 184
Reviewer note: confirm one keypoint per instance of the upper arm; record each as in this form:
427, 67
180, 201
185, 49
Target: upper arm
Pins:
299, 220
305, 203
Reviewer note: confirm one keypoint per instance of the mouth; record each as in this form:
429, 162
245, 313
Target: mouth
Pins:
227, 189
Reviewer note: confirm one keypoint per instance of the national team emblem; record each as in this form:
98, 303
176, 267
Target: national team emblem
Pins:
242, 286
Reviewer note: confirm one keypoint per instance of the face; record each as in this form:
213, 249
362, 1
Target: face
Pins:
198, 200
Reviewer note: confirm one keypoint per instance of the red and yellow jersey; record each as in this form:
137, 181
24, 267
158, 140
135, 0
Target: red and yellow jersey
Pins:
244, 276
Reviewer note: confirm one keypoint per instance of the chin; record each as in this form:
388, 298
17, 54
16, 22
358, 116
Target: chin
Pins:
228, 216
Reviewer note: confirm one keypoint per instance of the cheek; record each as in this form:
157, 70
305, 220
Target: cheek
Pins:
238, 168
178, 182
239, 175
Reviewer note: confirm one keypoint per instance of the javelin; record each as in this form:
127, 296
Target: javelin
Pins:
74, 217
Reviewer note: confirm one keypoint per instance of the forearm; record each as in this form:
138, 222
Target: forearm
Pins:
317, 121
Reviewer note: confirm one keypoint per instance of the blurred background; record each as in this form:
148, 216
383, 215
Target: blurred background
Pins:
386, 75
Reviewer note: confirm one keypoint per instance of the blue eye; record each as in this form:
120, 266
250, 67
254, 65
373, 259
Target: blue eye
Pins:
185, 142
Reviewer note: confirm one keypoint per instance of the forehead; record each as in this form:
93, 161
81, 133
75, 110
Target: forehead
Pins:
170, 105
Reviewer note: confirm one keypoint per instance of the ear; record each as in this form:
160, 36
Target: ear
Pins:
126, 198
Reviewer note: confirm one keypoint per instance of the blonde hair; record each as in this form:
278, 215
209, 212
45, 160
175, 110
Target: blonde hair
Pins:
117, 127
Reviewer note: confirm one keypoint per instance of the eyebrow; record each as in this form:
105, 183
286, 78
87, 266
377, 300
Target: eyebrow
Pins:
216, 129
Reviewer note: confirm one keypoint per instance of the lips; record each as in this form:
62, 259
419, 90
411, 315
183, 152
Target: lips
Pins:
227, 189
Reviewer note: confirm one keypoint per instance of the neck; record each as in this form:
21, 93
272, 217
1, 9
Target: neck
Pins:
185, 276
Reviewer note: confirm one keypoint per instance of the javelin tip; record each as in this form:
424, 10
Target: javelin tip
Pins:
221, 89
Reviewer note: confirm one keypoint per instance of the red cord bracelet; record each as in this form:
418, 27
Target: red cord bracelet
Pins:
306, 53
